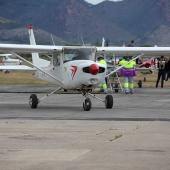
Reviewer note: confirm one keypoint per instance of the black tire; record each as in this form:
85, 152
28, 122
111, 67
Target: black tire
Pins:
147, 65
109, 101
87, 104
140, 83
116, 87
144, 79
33, 101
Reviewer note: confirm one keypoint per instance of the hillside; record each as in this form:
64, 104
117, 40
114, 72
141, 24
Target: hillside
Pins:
142, 20
14, 32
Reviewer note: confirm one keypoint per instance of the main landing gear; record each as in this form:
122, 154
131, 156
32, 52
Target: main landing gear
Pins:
34, 101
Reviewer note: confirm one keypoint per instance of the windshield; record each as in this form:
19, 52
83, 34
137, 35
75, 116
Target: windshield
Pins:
79, 54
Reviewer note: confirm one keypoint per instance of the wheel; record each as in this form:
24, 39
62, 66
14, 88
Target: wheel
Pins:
33, 101
109, 101
147, 65
87, 104
140, 83
144, 79
116, 87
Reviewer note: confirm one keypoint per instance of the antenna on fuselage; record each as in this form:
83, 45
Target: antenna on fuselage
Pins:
82, 41
52, 39
103, 42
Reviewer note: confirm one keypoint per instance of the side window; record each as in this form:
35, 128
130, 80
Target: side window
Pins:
6, 58
56, 59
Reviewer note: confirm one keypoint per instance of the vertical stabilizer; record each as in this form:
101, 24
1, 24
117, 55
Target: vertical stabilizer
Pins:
35, 56
103, 42
31, 35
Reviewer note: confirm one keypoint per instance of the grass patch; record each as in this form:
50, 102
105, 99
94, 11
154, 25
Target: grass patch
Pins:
116, 137
105, 131
20, 78
26, 78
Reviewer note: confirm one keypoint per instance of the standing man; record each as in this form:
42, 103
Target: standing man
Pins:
123, 44
132, 43
167, 68
161, 71
128, 72
103, 85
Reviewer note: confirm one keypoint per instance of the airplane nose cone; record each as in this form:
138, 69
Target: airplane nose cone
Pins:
94, 69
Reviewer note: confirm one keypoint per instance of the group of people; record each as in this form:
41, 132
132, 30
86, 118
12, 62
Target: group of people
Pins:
128, 71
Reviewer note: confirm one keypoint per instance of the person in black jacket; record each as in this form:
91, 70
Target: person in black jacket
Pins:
167, 69
161, 71
132, 43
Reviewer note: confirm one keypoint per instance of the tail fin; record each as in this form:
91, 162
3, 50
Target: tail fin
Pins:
103, 42
35, 56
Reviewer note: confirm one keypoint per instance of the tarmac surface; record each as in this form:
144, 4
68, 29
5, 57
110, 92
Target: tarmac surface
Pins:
60, 135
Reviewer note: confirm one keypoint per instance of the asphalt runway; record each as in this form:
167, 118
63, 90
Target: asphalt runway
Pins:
59, 134
146, 104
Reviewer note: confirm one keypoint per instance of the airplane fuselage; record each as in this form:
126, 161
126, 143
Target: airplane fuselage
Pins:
75, 74
5, 60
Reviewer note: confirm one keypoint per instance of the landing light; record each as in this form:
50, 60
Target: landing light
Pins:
92, 81
94, 69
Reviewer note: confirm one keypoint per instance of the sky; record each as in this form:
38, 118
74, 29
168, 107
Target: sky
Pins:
94, 2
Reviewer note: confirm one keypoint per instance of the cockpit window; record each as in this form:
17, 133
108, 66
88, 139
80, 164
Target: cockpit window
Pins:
56, 59
79, 54
6, 57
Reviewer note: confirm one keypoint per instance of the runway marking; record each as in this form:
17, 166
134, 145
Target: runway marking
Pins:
42, 154
168, 100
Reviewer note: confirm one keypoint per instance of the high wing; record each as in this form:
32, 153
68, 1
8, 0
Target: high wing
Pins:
9, 55
19, 48
131, 51
123, 51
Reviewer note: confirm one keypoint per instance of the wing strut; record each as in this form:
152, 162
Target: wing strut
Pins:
49, 94
117, 69
38, 68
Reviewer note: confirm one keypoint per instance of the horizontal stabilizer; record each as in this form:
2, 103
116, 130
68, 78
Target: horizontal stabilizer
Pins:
17, 67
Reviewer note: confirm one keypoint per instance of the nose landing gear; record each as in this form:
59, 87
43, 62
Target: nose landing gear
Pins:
87, 104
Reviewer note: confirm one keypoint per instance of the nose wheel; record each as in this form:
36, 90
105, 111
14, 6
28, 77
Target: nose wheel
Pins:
87, 104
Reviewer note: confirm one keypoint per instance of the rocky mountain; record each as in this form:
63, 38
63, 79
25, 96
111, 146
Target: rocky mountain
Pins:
142, 20
14, 32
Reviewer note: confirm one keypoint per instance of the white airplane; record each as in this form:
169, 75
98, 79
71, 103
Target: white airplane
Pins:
73, 67
6, 60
